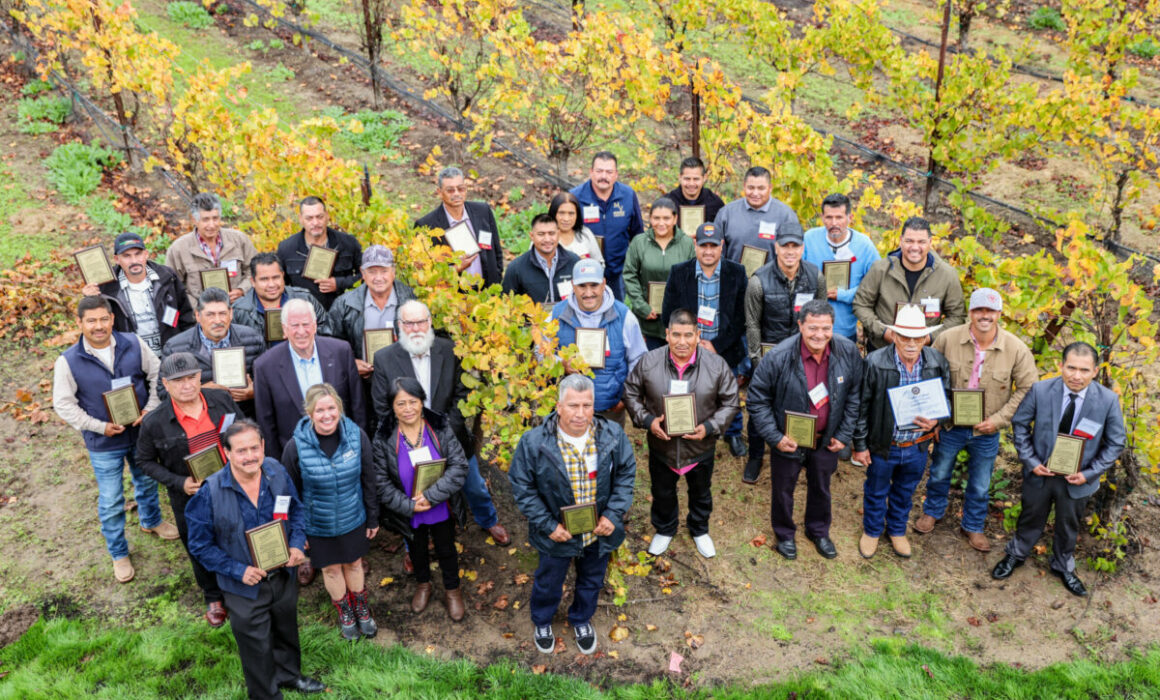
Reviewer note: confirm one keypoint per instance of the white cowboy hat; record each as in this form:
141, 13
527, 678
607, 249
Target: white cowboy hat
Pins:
910, 322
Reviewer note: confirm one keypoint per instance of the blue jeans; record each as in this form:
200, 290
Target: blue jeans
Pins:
889, 489
478, 498
547, 588
981, 450
109, 468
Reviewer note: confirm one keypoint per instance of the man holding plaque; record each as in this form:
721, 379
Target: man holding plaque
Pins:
475, 220
716, 289
371, 306
246, 525
611, 210
896, 452
270, 293
756, 219
185, 429
575, 468
334, 268
430, 359
773, 297
844, 256
101, 386
544, 272
691, 194
913, 274
991, 372
147, 298
282, 375
209, 246
1068, 431
592, 313
215, 330
804, 401
685, 397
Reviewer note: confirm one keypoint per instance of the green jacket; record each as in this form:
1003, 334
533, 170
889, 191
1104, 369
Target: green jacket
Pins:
885, 285
645, 262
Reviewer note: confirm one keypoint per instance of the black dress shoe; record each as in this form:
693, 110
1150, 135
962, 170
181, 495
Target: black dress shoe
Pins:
825, 547
787, 549
752, 471
304, 684
1005, 566
1071, 582
737, 445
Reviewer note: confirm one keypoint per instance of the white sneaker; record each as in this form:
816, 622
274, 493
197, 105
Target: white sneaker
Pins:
705, 546
659, 545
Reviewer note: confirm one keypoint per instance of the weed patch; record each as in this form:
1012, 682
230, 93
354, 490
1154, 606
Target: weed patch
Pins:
75, 169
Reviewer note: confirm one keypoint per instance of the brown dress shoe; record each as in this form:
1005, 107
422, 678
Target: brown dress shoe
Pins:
216, 614
901, 546
306, 573
123, 570
924, 524
455, 606
164, 530
867, 546
422, 595
500, 535
408, 565
977, 540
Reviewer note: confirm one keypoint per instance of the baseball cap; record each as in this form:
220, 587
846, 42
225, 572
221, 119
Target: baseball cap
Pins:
986, 298
179, 364
707, 233
791, 236
378, 256
127, 241
587, 271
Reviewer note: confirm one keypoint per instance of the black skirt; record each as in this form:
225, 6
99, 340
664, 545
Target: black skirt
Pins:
344, 549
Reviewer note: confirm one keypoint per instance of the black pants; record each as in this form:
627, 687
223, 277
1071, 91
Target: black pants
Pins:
756, 457
819, 466
266, 630
206, 581
444, 536
665, 510
1039, 493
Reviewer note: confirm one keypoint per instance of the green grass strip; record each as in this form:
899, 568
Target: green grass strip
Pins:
184, 658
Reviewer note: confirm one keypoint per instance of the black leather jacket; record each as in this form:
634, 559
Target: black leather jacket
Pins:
874, 430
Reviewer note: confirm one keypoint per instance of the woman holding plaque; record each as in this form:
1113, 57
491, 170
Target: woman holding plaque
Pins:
647, 265
574, 236
330, 461
416, 447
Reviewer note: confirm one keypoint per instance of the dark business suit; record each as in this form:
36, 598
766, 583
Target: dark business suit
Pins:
278, 398
447, 389
482, 219
1043, 406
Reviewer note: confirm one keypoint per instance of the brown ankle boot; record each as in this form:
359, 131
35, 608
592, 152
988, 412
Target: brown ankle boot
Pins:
455, 606
422, 595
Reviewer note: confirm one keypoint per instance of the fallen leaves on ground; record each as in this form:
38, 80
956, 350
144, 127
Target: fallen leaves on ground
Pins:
618, 633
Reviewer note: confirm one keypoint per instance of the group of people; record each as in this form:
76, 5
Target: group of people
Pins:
337, 437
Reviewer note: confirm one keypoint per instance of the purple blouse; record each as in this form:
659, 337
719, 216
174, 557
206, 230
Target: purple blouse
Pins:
438, 513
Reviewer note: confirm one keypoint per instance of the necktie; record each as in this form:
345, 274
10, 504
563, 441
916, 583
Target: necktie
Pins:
1068, 414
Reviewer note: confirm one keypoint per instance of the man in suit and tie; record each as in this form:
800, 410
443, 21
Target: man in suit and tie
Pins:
1070, 404
283, 374
422, 355
480, 220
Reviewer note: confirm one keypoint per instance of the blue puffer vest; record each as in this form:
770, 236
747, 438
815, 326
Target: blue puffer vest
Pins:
230, 530
93, 379
331, 487
609, 380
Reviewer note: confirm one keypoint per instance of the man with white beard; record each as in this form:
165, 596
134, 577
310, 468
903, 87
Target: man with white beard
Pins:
420, 354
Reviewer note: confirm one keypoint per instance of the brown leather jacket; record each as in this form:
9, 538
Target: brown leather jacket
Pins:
710, 379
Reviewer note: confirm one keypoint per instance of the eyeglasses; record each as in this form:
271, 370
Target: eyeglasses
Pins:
415, 324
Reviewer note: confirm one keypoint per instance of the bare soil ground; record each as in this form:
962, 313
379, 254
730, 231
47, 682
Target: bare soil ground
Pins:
759, 616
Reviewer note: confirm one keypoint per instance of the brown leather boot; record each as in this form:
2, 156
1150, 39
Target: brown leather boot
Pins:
422, 595
455, 606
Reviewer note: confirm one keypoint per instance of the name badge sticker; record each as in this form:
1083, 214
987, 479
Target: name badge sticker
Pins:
119, 382
485, 240
231, 267
800, 299
281, 507
564, 289
169, 317
767, 230
591, 214
423, 454
678, 386
932, 307
1087, 428
819, 395
227, 421
707, 315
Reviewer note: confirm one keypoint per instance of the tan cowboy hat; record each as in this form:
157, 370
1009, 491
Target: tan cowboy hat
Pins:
910, 322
